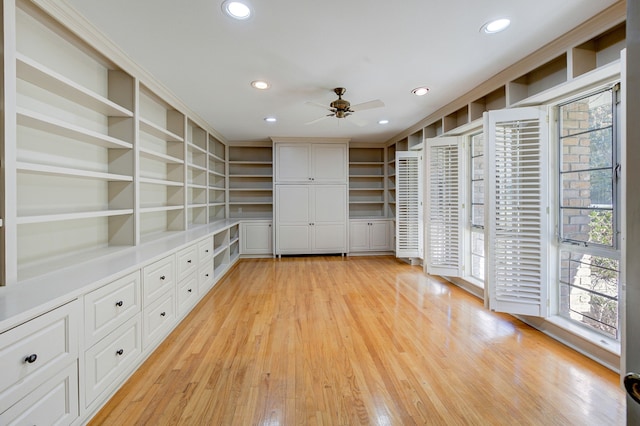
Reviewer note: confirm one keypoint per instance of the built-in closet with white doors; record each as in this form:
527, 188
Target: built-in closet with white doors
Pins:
311, 202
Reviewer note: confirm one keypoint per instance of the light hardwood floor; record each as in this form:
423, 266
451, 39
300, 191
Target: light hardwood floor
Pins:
361, 340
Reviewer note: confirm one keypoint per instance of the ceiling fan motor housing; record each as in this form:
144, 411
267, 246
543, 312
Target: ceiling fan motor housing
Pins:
340, 105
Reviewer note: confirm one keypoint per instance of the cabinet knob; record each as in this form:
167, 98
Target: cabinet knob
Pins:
206, 275
206, 251
31, 359
189, 261
162, 314
119, 351
189, 290
162, 278
119, 303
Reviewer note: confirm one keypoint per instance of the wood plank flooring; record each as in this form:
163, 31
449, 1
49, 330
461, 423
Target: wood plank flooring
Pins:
358, 341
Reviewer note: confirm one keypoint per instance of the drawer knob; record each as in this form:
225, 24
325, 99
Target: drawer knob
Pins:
119, 351
119, 303
31, 359
162, 314
206, 251
189, 290
189, 261
206, 275
162, 278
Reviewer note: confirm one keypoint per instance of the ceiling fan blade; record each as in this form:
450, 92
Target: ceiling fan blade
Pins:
367, 105
315, 104
355, 120
319, 119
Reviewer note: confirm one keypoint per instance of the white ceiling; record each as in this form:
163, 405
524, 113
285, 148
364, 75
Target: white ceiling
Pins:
377, 49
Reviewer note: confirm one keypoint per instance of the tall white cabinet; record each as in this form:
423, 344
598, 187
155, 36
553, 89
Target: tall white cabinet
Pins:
311, 197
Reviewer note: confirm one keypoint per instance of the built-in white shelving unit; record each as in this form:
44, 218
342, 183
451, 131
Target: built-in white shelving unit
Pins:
251, 181
197, 175
217, 183
161, 167
74, 153
366, 182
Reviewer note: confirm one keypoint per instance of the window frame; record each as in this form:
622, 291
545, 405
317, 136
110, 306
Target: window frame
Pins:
572, 246
473, 227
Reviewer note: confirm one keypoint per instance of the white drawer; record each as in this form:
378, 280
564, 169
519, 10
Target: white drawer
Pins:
157, 278
205, 277
187, 293
34, 351
205, 250
110, 306
53, 402
158, 318
187, 261
110, 357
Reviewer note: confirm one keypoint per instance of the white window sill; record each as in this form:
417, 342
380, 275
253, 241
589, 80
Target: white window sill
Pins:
598, 339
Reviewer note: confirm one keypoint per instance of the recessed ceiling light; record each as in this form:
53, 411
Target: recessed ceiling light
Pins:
261, 85
495, 26
270, 119
420, 91
383, 122
236, 9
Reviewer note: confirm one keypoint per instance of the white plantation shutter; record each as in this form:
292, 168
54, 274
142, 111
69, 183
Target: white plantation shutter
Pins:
444, 212
409, 226
517, 224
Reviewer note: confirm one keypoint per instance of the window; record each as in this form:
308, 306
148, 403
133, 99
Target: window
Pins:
477, 206
588, 211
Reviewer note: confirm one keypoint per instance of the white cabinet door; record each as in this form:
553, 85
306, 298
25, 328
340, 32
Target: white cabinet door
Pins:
329, 163
311, 163
293, 220
329, 218
370, 235
379, 235
292, 162
256, 238
358, 236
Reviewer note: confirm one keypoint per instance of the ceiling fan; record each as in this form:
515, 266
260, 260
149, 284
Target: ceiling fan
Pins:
341, 108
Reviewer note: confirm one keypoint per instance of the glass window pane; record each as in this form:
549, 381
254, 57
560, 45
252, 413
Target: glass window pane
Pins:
477, 192
477, 242
477, 215
589, 290
593, 112
587, 189
588, 225
477, 167
477, 254
477, 145
586, 151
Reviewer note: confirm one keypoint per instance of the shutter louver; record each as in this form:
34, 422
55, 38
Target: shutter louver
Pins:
444, 207
408, 218
517, 194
